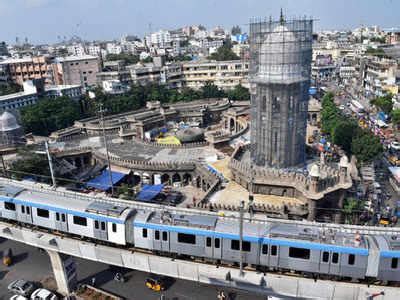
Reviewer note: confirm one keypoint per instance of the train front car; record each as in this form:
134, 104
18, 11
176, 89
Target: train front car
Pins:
388, 269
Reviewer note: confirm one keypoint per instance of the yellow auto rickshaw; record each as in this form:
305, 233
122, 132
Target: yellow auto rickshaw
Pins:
7, 257
155, 283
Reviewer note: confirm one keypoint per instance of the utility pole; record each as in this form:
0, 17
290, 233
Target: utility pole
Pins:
241, 237
4, 166
53, 179
101, 111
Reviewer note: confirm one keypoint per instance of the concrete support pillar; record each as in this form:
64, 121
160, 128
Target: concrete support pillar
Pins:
64, 270
339, 215
312, 210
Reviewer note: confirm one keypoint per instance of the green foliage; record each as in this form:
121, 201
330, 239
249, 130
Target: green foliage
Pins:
375, 52
396, 116
30, 163
377, 39
179, 58
345, 132
366, 146
49, 115
9, 88
224, 53
148, 59
384, 103
236, 30
239, 93
129, 59
210, 90
351, 209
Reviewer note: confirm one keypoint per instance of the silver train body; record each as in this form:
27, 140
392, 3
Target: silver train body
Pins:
268, 246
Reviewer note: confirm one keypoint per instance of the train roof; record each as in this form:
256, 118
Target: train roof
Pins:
193, 221
60, 202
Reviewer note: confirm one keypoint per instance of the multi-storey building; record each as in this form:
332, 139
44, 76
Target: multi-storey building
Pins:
144, 74
23, 69
94, 50
15, 101
379, 75
76, 70
113, 48
76, 50
224, 74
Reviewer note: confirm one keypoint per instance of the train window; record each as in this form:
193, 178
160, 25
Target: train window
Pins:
352, 259
265, 249
114, 227
63, 217
235, 245
28, 211
325, 256
335, 257
44, 213
9, 206
96, 224
57, 216
22, 209
144, 232
103, 226
165, 236
157, 235
80, 221
186, 238
274, 250
301, 253
395, 262
208, 242
216, 243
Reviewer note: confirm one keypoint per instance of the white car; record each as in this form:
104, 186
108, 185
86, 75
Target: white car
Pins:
18, 297
395, 145
43, 294
341, 107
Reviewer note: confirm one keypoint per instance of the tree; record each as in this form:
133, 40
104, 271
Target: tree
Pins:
30, 164
236, 30
210, 90
384, 103
239, 93
9, 88
375, 51
224, 53
49, 115
352, 209
396, 116
148, 59
365, 146
129, 59
343, 134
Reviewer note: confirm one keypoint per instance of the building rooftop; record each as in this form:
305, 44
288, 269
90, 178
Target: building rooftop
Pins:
75, 58
15, 95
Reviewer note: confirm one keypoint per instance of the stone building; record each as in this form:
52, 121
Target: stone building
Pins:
280, 78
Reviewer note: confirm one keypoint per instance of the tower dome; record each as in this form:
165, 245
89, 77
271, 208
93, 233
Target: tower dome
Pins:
344, 161
8, 122
314, 172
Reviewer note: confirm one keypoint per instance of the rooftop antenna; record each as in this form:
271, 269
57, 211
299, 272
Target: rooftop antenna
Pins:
281, 18
53, 179
101, 112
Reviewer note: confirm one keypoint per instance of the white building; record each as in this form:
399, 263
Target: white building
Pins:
160, 39
113, 48
94, 50
76, 50
114, 87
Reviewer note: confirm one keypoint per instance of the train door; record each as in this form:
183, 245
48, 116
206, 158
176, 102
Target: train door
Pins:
334, 267
208, 252
264, 257
217, 251
165, 241
157, 240
61, 222
100, 230
24, 214
274, 256
324, 262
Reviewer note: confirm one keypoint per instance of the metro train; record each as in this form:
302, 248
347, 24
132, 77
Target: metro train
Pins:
266, 245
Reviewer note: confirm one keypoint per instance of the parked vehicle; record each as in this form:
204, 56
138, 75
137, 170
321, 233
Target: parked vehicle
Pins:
156, 283
395, 145
21, 287
43, 294
18, 297
7, 257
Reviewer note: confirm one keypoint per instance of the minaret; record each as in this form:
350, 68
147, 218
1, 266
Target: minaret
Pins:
280, 68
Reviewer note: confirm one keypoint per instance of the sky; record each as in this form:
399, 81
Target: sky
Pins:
42, 21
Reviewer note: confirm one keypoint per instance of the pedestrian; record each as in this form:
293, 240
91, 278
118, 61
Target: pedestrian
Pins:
93, 281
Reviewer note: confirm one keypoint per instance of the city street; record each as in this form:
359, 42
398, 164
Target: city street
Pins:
31, 264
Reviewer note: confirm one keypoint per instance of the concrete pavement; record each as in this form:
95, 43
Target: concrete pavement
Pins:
31, 264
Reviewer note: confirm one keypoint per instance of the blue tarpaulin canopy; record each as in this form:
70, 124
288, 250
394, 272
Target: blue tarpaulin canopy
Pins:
102, 182
381, 116
149, 192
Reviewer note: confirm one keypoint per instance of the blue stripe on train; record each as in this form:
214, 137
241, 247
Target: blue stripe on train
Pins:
62, 210
289, 243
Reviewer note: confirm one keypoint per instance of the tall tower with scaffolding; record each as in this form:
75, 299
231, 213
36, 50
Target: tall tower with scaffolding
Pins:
280, 67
